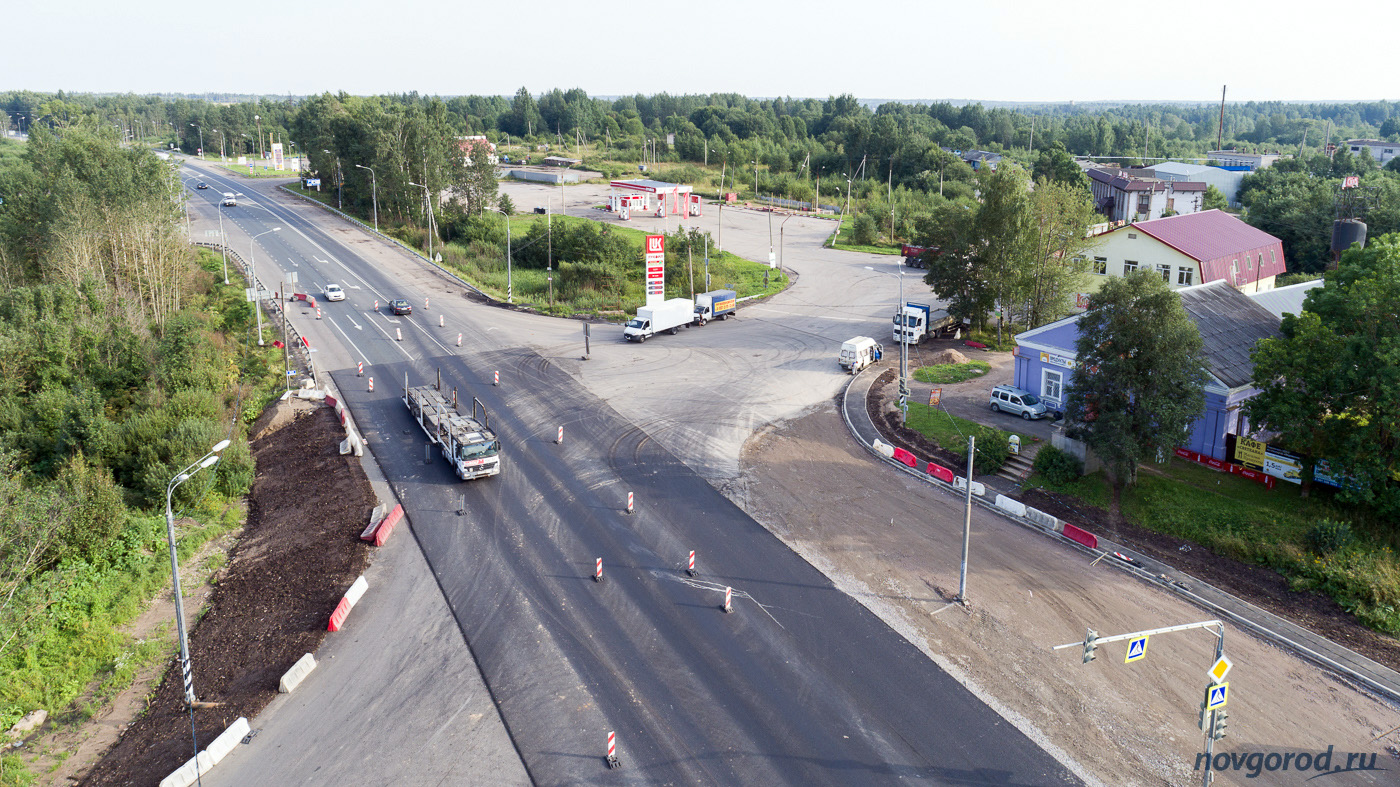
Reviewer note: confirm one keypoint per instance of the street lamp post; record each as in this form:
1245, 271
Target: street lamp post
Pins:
428, 201
782, 258
201, 140
374, 194
510, 289
903, 346
253, 274
339, 181
221, 144
206, 461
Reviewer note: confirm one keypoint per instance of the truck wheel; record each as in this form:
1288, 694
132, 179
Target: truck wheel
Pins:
675, 329
641, 339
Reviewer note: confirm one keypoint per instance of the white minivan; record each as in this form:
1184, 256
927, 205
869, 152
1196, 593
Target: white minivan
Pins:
1017, 401
858, 353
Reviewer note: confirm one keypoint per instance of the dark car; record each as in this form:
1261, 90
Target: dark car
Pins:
201, 185
400, 306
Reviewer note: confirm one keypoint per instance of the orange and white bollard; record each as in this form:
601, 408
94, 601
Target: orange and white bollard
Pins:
360, 369
376, 304
371, 383
318, 312
459, 340
495, 378
613, 762
690, 569
425, 304
598, 571
560, 439
728, 600
629, 503
398, 334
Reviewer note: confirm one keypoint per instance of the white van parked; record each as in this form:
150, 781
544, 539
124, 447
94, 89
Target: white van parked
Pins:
858, 353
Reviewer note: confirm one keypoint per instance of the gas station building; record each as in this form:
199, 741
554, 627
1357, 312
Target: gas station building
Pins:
652, 198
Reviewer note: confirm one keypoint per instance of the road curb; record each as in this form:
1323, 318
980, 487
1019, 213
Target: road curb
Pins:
1100, 548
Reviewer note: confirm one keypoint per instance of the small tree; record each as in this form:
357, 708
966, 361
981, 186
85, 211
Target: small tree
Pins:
863, 232
1139, 377
1214, 199
505, 204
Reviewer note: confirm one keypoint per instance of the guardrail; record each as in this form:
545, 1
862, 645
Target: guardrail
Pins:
273, 307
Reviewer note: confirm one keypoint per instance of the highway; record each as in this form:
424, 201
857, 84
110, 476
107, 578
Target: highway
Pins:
799, 685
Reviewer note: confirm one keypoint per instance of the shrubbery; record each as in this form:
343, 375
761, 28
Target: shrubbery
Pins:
1058, 467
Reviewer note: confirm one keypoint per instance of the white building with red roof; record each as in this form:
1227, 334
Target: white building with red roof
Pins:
1196, 248
1131, 195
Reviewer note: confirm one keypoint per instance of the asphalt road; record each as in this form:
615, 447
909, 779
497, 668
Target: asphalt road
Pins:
800, 685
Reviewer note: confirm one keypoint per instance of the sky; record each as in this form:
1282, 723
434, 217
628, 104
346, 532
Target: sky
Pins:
996, 50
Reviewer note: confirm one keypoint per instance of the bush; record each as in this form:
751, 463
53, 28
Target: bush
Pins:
1058, 467
1328, 535
863, 232
992, 450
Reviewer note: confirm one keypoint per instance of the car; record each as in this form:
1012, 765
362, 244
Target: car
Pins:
334, 293
201, 185
1018, 401
229, 200
400, 306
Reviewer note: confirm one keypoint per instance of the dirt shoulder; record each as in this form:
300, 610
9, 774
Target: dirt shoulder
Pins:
893, 543
295, 557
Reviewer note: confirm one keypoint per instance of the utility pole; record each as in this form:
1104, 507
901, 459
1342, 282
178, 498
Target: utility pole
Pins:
1220, 131
967, 522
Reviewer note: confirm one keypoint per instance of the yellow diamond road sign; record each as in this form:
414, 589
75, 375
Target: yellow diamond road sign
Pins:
1137, 649
1220, 669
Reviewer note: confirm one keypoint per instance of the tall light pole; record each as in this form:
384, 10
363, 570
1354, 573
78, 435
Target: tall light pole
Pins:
221, 144
755, 179
899, 320
181, 477
339, 181
782, 258
510, 289
258, 120
201, 140
253, 273
374, 193
428, 201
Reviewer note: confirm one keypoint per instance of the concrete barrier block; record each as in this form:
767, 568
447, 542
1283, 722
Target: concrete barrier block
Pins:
1008, 504
183, 776
1043, 519
345, 447
228, 739
884, 449
1082, 536
978, 488
294, 676
357, 590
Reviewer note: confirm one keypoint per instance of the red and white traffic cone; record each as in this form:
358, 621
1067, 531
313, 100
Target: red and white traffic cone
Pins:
360, 369
440, 323
425, 304
630, 509
371, 383
560, 439
398, 334
496, 378
612, 760
728, 600
318, 312
690, 569
598, 571
376, 304
459, 340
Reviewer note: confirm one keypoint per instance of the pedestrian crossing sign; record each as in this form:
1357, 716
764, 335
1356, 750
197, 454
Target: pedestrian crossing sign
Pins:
1217, 696
1137, 650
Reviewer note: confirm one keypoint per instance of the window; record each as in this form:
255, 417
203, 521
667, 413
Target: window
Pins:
1171, 204
1183, 276
1234, 267
1101, 266
1051, 384
1129, 266
1166, 271
1132, 236
1272, 258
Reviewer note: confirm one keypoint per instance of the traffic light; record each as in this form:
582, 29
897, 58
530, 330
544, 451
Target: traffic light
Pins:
1218, 731
1091, 644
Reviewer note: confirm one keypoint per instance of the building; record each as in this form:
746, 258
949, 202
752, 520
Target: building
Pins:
1238, 158
981, 158
652, 197
1225, 180
1196, 248
1127, 196
1381, 150
1230, 323
561, 161
469, 144
1285, 300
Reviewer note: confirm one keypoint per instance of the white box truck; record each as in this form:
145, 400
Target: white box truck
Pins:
650, 320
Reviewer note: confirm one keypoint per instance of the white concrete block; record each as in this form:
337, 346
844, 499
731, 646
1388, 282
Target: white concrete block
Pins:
978, 488
1013, 506
356, 590
228, 739
1044, 520
294, 676
884, 449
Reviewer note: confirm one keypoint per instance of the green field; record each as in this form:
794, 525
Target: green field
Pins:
949, 373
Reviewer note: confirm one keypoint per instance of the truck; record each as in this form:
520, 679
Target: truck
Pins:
714, 305
914, 255
466, 441
858, 353
667, 316
914, 321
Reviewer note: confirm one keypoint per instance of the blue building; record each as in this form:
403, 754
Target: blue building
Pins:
1230, 323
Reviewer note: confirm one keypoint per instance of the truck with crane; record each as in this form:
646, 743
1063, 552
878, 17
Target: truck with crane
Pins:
466, 441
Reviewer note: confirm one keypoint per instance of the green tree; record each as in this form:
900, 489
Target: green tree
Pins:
1330, 387
863, 232
1214, 200
1138, 381
1061, 215
1057, 165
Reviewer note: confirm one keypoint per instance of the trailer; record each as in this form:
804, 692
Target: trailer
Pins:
466, 441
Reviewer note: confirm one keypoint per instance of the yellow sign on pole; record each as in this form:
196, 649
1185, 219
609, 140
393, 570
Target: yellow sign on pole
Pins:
1137, 650
1220, 669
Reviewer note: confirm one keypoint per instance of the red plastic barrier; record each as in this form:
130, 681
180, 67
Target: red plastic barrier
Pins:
330, 400
338, 616
901, 455
386, 526
940, 472
1082, 536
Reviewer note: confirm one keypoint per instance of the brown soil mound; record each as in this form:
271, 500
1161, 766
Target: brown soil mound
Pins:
297, 554
947, 356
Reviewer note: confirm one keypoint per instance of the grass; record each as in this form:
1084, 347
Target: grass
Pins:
843, 242
248, 171
1237, 518
951, 432
948, 373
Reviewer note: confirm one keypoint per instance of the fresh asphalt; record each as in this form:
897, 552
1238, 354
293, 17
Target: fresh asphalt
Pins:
799, 685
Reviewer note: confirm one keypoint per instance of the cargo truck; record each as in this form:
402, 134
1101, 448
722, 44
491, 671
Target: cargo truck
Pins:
466, 441
714, 305
914, 321
667, 316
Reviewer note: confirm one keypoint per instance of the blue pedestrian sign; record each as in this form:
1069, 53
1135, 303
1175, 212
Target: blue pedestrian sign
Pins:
1137, 650
1217, 696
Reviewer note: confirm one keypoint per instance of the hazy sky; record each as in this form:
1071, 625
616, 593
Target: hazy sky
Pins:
996, 50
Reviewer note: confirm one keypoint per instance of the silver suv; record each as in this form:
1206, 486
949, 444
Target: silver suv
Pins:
1017, 401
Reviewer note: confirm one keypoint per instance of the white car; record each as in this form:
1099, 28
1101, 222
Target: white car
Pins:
229, 200
334, 293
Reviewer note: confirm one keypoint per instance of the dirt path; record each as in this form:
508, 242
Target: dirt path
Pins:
1127, 724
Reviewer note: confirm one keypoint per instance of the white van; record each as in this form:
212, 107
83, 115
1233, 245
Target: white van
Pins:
858, 353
